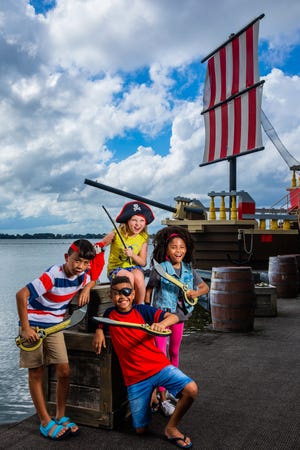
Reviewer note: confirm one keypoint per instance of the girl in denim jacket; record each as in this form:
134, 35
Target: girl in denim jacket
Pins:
173, 249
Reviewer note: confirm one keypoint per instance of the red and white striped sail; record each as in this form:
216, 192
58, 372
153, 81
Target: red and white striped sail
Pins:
232, 97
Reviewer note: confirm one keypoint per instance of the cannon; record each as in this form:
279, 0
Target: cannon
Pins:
185, 208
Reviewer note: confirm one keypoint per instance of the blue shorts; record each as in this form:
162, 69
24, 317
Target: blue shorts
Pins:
113, 273
139, 394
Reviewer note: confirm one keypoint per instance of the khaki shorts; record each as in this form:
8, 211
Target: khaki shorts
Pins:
52, 351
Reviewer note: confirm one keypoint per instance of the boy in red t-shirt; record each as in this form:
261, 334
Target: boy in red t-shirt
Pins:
143, 365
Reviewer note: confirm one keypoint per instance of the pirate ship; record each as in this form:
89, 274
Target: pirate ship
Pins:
231, 229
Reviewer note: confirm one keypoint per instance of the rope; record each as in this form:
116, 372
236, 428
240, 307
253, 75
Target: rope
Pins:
249, 252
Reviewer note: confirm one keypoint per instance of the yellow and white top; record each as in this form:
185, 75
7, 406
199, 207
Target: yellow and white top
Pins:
117, 257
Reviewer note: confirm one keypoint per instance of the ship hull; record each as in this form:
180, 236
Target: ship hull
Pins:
223, 243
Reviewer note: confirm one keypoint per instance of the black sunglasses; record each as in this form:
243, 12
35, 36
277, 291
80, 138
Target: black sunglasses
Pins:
123, 291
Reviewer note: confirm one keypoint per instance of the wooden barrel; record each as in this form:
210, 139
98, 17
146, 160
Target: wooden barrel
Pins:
284, 275
297, 257
232, 299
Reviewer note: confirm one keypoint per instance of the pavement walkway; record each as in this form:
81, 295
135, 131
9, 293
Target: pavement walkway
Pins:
249, 392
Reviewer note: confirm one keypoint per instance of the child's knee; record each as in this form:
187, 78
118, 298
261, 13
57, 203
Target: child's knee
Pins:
139, 278
128, 274
191, 390
63, 371
174, 355
35, 374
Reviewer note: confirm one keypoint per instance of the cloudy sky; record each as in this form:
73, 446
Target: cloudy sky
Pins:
111, 91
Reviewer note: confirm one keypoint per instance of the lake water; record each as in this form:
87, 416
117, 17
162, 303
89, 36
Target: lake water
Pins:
22, 261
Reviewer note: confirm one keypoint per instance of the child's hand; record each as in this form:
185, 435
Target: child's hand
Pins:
192, 294
128, 252
84, 296
30, 334
99, 341
158, 326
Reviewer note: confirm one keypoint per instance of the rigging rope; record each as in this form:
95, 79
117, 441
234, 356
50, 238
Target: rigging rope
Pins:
273, 136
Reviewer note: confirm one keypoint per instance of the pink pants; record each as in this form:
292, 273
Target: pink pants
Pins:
174, 344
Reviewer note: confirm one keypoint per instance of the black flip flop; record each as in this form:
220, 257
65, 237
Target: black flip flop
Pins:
176, 440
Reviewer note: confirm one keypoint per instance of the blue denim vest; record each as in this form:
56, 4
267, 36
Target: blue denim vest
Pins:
167, 296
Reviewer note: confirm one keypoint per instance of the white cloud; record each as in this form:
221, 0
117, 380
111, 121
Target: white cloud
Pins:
122, 34
67, 89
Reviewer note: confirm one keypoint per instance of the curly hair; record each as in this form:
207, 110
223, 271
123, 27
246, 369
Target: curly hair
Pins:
163, 238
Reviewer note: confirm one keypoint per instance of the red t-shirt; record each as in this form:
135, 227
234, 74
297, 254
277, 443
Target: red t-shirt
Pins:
138, 355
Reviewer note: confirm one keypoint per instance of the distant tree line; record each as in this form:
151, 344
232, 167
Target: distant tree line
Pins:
51, 236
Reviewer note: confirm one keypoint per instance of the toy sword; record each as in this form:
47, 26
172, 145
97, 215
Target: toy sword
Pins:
139, 326
117, 231
159, 269
75, 318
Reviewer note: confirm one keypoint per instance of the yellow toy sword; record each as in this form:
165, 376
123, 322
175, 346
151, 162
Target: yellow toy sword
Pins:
159, 269
139, 326
75, 318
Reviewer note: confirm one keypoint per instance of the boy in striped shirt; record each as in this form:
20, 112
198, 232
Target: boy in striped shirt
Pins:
43, 303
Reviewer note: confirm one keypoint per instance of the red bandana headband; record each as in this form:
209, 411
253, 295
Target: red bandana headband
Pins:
74, 248
172, 236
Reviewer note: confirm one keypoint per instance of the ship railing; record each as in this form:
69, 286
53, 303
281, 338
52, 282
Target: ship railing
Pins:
289, 201
267, 218
282, 203
239, 202
222, 210
273, 221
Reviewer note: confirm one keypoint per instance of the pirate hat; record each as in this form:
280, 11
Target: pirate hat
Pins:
135, 209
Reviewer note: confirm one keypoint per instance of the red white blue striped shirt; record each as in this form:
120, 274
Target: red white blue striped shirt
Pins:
50, 295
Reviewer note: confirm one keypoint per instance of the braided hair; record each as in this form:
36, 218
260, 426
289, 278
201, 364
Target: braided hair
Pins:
163, 238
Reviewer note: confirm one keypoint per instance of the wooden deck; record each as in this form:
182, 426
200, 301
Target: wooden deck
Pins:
248, 399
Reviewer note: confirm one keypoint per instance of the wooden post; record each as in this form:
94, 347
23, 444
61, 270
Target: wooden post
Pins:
222, 209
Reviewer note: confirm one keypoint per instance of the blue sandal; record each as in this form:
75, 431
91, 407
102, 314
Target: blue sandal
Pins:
45, 431
66, 423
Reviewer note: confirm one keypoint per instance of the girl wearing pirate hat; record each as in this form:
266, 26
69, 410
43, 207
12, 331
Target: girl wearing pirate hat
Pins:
129, 246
